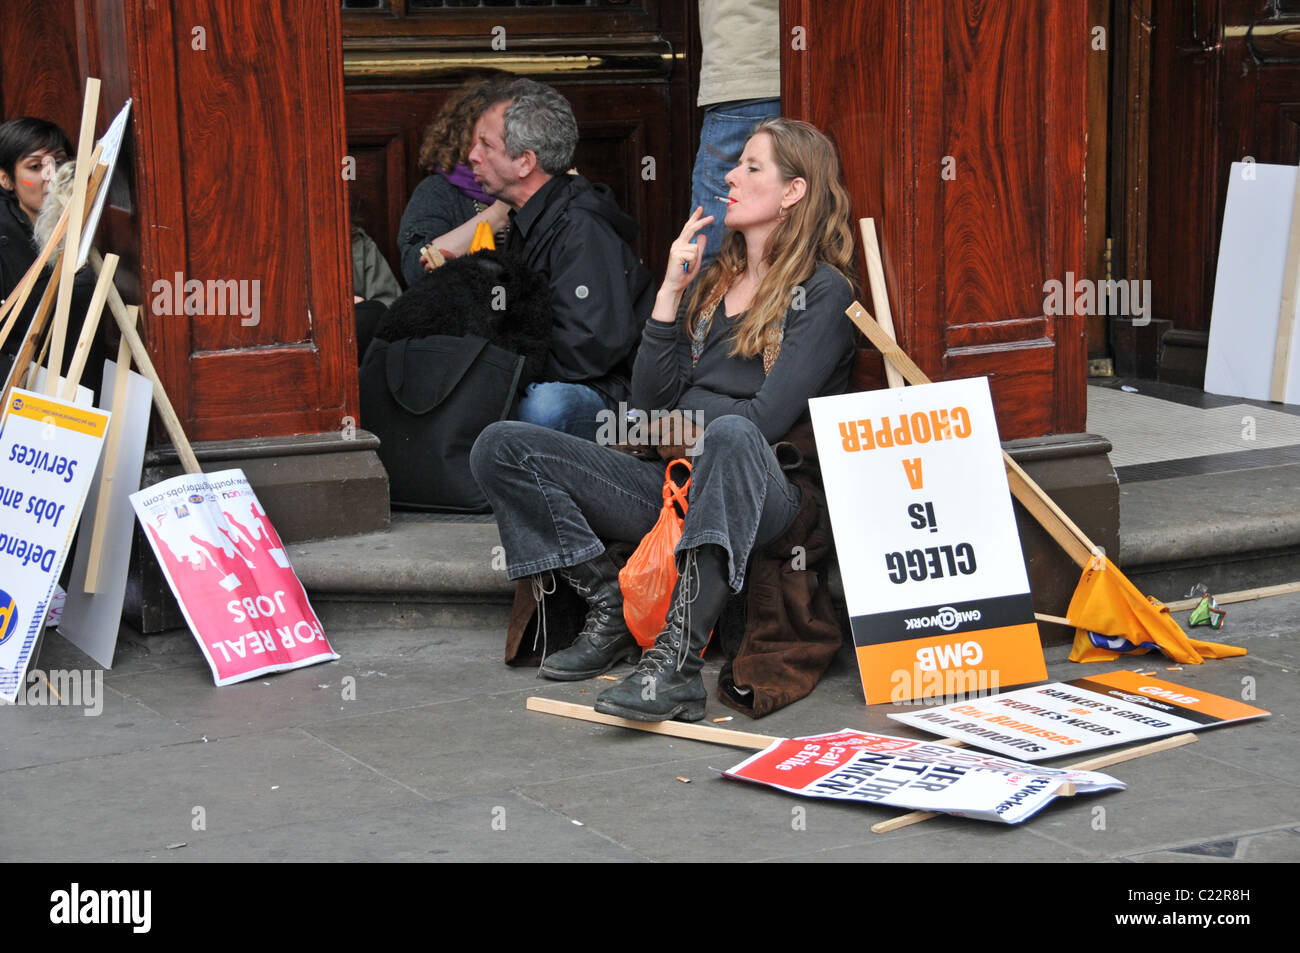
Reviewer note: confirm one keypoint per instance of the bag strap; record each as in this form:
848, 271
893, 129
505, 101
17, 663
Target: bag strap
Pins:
457, 367
674, 492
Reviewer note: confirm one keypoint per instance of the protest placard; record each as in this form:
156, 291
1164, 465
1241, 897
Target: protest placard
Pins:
48, 452
1079, 715
228, 569
933, 573
880, 769
92, 615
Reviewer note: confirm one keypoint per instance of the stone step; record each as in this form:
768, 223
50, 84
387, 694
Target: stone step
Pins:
1228, 531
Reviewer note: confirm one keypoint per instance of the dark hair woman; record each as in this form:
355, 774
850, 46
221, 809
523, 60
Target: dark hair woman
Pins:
30, 151
447, 206
763, 331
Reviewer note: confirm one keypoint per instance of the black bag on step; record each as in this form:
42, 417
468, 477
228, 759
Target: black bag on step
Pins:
427, 399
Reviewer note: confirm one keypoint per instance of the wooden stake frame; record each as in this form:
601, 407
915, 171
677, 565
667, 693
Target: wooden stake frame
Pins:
68, 262
126, 325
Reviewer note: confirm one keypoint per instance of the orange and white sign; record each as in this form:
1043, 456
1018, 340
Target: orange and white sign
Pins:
1079, 715
933, 573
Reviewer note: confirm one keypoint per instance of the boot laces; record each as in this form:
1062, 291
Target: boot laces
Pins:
540, 592
598, 614
674, 649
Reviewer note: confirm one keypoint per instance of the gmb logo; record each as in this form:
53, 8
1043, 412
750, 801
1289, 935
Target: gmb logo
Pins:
8, 616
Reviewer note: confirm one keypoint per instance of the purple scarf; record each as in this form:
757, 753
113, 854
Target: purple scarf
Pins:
463, 178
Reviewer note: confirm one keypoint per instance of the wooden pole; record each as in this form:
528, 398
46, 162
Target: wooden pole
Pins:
1104, 761
1060, 527
115, 426
88, 328
126, 325
86, 143
879, 291
677, 729
1241, 595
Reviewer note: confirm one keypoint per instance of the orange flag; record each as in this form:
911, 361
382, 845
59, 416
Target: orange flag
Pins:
482, 238
1113, 618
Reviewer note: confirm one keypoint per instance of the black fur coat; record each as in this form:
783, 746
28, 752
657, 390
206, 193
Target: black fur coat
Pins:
489, 293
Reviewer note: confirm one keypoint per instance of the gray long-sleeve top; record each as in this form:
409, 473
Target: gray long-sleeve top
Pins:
815, 359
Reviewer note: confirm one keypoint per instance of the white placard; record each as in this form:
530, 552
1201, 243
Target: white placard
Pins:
1064, 718
1248, 285
48, 453
867, 768
926, 537
91, 621
112, 143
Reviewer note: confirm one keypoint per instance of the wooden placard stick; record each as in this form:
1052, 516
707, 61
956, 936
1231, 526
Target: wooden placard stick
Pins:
34, 336
1241, 595
13, 305
1040, 506
879, 291
1104, 761
71, 247
677, 729
111, 445
88, 328
30, 381
126, 325
1286, 315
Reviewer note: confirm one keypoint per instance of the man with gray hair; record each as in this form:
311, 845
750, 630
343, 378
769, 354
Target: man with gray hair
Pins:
574, 233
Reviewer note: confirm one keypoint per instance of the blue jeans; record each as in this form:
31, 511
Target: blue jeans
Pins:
558, 499
568, 408
722, 138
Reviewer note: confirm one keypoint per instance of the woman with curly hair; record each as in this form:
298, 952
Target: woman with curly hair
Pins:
448, 205
763, 331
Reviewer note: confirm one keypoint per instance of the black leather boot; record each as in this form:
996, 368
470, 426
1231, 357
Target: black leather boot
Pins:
605, 639
666, 683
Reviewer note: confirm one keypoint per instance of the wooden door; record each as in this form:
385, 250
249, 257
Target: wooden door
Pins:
961, 125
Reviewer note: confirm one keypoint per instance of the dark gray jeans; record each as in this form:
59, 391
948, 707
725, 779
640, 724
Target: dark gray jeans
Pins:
558, 499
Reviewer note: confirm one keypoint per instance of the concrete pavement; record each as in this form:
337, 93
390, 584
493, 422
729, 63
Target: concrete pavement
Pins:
415, 745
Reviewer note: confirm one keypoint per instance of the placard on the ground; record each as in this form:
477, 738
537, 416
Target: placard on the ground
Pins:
48, 452
926, 537
230, 574
1079, 715
916, 775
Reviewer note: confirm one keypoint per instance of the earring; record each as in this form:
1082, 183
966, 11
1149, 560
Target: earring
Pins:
781, 214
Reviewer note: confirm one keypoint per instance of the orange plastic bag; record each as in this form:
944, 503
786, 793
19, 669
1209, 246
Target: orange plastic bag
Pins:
648, 579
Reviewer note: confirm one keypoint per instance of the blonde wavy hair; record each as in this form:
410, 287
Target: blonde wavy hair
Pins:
815, 229
57, 196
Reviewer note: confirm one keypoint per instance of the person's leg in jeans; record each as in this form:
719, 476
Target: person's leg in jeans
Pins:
722, 137
557, 499
568, 408
739, 500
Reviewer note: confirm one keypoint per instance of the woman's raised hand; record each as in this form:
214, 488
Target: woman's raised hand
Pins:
685, 255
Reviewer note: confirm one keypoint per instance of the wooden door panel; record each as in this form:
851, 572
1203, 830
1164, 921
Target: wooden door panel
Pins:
961, 127
239, 179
